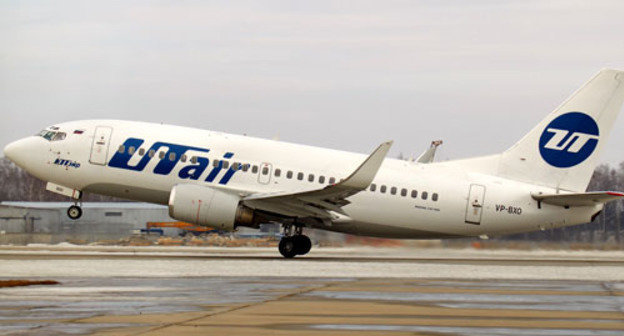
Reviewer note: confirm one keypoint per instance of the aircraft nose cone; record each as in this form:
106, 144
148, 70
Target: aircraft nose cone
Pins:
16, 150
10, 150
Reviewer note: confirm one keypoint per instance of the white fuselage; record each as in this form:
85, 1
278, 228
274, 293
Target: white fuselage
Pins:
466, 202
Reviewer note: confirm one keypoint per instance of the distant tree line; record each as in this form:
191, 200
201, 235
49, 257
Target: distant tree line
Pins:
18, 185
606, 227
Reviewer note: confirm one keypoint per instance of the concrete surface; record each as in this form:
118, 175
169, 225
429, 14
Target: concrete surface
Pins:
198, 291
59, 261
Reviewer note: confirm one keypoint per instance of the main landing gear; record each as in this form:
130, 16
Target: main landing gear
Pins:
74, 212
297, 244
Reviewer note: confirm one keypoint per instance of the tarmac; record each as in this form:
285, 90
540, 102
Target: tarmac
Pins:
348, 291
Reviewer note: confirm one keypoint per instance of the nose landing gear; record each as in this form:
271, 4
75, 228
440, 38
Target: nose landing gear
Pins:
292, 245
74, 212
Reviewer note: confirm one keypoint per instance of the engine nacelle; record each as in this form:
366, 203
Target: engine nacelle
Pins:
209, 207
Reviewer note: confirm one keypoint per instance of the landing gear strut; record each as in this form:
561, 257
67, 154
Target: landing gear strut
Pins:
292, 245
74, 212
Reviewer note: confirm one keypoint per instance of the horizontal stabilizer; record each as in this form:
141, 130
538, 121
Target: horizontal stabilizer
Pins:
579, 199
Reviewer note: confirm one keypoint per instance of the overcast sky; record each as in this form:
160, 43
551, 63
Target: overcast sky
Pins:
477, 74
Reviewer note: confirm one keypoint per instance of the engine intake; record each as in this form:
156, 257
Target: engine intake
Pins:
209, 207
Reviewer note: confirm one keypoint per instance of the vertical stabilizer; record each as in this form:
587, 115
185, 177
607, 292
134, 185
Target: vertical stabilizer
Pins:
563, 149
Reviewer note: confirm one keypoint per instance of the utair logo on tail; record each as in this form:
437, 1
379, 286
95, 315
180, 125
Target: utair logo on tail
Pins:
569, 139
169, 158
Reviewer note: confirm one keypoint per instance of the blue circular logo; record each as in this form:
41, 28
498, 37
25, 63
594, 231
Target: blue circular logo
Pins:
569, 139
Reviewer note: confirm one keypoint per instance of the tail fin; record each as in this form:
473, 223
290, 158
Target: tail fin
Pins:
563, 149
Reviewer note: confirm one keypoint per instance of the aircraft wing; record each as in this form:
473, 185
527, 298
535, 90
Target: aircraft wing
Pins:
319, 202
429, 154
579, 199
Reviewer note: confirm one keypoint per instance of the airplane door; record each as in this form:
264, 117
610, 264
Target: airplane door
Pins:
474, 207
264, 174
101, 142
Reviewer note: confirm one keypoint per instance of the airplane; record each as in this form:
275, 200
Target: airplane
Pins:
227, 181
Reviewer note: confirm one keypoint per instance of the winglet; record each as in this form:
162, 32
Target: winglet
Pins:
362, 177
429, 154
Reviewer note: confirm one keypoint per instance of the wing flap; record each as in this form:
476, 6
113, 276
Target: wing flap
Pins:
579, 199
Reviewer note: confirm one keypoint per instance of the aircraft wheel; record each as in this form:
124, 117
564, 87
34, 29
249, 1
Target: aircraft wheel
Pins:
303, 244
287, 247
74, 212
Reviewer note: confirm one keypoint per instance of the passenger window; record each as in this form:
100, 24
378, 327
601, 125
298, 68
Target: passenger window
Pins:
151, 153
382, 189
172, 156
131, 150
254, 169
434, 197
414, 193
236, 166
373, 187
332, 180
321, 179
121, 149
265, 170
225, 164
215, 163
142, 151
393, 190
424, 195
311, 178
193, 159
403, 192
246, 167
278, 172
289, 174
161, 155
183, 158
300, 176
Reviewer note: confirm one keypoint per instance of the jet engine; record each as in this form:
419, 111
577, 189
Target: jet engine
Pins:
209, 207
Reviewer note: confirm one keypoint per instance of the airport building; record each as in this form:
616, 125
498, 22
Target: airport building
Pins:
47, 222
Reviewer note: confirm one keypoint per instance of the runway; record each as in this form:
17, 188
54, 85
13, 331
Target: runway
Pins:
360, 291
97, 261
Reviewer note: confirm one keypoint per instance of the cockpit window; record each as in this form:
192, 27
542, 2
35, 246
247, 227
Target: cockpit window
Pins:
48, 135
59, 136
52, 135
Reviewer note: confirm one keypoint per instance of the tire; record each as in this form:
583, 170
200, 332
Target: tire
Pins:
303, 244
287, 247
74, 212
